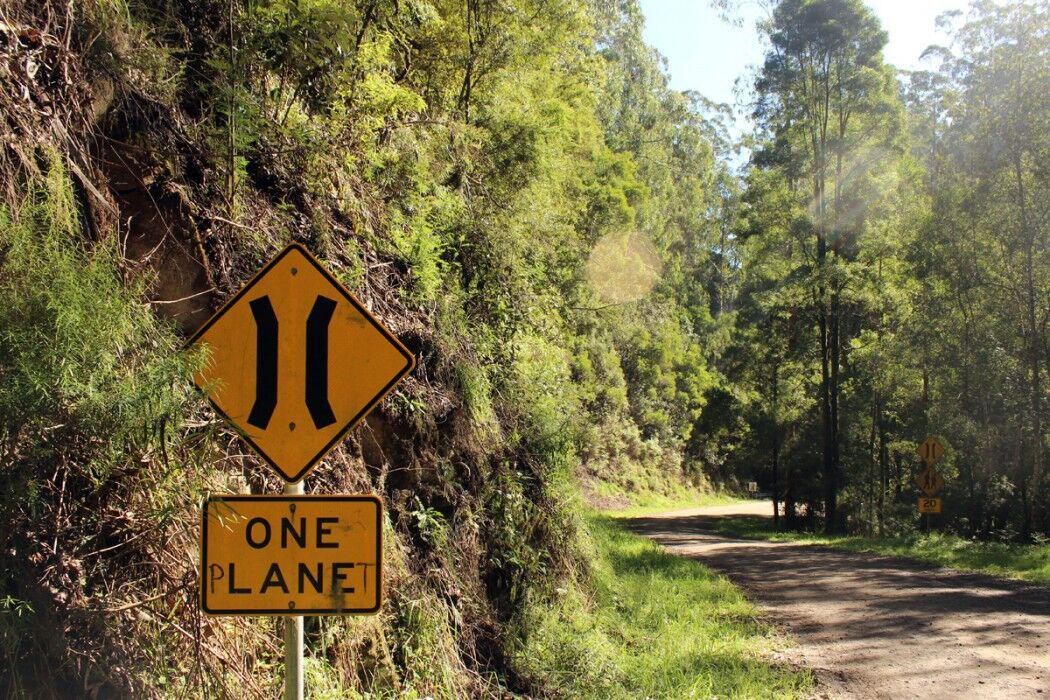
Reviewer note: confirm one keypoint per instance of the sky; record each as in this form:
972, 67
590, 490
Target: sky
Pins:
706, 54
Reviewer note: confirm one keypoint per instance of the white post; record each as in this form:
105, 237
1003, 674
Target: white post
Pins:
293, 639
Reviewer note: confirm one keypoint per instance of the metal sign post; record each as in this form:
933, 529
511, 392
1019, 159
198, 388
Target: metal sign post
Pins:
293, 636
930, 482
294, 362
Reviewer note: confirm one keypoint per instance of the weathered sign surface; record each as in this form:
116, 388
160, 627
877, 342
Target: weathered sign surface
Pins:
294, 361
292, 555
930, 481
930, 450
929, 505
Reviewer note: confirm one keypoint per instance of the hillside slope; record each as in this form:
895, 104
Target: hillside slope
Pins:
455, 165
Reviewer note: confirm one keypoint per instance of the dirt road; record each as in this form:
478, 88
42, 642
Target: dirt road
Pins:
879, 627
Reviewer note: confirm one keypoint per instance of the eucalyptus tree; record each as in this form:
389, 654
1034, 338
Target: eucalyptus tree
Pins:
772, 358
992, 187
829, 108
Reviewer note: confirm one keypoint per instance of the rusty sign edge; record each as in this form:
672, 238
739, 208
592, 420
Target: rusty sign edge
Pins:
202, 596
410, 361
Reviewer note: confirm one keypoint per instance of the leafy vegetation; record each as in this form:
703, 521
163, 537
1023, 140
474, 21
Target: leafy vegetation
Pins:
478, 173
894, 277
596, 300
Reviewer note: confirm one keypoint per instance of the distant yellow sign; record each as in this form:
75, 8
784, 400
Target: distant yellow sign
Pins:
295, 361
293, 555
929, 505
930, 450
930, 482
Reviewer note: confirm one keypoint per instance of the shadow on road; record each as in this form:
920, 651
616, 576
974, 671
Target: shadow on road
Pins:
874, 618
974, 593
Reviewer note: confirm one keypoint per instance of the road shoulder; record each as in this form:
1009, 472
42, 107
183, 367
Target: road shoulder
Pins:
877, 626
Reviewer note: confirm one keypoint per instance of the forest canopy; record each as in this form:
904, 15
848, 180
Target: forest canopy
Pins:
605, 301
896, 268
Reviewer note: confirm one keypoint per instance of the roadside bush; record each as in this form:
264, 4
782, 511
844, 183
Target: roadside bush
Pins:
91, 394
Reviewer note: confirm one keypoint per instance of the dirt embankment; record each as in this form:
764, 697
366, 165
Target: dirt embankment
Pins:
879, 627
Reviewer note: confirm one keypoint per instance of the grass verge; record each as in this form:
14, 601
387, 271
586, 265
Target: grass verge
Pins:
649, 503
654, 626
1024, 562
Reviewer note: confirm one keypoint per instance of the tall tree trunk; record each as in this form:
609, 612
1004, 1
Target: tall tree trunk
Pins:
1022, 478
870, 488
775, 462
832, 458
466, 88
827, 425
1033, 350
790, 502
825, 402
884, 471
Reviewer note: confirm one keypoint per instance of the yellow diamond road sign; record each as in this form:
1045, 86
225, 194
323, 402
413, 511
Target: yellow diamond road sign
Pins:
294, 361
930, 481
930, 450
292, 555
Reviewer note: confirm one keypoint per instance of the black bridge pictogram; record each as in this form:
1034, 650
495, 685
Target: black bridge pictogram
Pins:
317, 362
265, 362
266, 371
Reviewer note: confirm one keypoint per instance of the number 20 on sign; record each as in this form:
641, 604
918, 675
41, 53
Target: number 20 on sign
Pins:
929, 505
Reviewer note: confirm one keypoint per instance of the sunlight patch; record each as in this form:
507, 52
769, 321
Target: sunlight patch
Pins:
624, 267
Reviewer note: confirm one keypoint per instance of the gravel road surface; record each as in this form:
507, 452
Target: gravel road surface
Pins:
878, 627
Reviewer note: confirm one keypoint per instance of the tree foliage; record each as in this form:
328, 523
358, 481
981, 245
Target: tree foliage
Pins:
512, 186
896, 218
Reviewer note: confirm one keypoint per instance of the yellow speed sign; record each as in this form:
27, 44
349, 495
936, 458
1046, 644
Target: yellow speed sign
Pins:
929, 505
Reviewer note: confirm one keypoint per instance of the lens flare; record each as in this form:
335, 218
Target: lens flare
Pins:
624, 267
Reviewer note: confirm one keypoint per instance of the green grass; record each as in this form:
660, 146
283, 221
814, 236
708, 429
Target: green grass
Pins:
654, 626
1024, 562
643, 500
648, 503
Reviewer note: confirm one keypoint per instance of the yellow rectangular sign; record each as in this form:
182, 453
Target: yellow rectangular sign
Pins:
292, 555
929, 505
